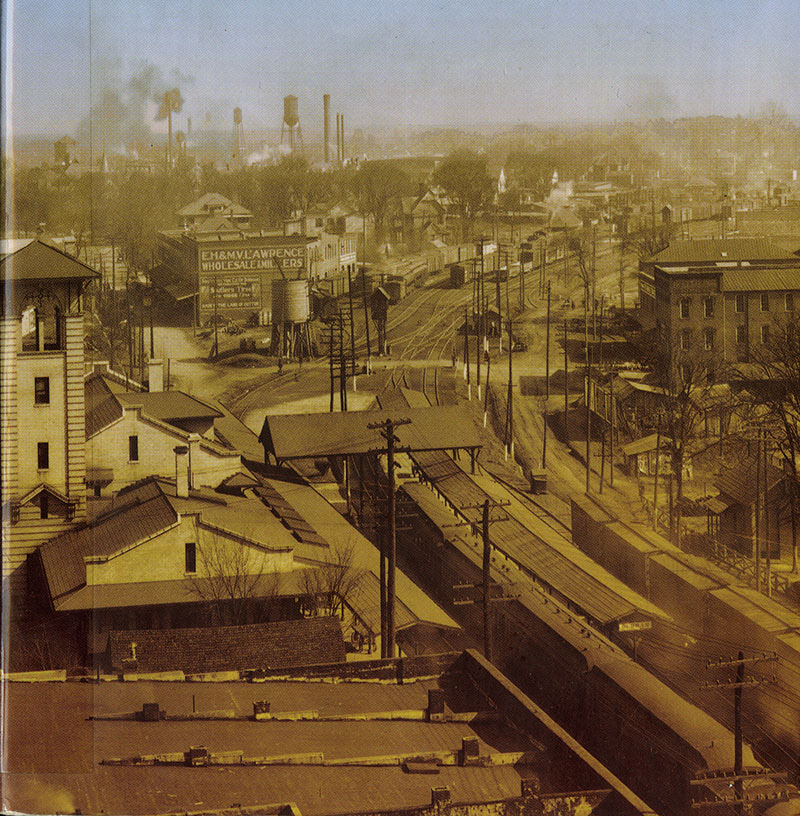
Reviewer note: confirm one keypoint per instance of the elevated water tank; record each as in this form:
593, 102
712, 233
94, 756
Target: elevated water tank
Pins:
290, 113
290, 301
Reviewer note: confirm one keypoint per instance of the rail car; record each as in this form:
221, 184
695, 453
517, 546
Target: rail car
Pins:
550, 639
716, 616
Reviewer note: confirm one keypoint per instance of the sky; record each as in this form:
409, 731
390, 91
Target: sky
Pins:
431, 64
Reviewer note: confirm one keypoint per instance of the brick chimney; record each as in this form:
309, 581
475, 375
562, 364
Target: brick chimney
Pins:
155, 375
194, 452
182, 471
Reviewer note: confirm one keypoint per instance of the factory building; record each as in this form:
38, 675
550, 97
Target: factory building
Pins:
230, 273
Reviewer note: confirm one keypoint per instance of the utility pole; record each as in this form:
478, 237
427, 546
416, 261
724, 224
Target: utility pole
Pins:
765, 504
547, 348
330, 360
366, 311
387, 429
510, 398
466, 353
737, 685
352, 323
655, 481
756, 525
479, 324
566, 388
486, 599
486, 393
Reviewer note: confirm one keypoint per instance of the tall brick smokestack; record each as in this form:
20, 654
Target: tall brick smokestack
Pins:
326, 123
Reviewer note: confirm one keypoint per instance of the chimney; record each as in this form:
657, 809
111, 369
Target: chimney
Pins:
194, 445
182, 471
155, 375
326, 123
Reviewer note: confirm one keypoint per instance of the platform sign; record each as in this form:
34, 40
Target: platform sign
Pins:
634, 626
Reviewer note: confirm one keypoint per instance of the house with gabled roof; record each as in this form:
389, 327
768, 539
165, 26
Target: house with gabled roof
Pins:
214, 204
132, 434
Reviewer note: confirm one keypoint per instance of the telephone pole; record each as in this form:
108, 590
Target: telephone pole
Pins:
741, 682
485, 586
387, 429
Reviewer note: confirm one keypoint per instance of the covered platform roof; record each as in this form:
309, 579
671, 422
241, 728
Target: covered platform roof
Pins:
303, 436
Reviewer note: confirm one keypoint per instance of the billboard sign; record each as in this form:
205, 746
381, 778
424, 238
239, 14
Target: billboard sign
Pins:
635, 626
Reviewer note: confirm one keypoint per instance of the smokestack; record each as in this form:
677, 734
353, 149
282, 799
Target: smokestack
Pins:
182, 471
155, 375
338, 140
326, 123
342, 121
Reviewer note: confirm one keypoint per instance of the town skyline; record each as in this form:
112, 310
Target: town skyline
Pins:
415, 65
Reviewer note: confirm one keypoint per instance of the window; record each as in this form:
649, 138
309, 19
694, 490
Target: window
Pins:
708, 339
44, 505
43, 455
708, 307
41, 390
684, 307
741, 334
686, 339
740, 302
764, 334
133, 448
788, 302
190, 556
764, 302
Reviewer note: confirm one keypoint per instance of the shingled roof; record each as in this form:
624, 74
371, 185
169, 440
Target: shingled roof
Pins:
739, 482
278, 645
130, 519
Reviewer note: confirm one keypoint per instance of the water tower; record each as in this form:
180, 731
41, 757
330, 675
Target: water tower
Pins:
238, 136
291, 313
291, 121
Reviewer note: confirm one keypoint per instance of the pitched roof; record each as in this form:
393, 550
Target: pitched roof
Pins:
755, 279
740, 482
283, 644
129, 520
295, 436
33, 259
169, 405
216, 223
726, 249
102, 407
210, 202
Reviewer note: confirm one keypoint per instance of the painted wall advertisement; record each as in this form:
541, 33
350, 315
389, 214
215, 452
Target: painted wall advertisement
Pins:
249, 259
230, 292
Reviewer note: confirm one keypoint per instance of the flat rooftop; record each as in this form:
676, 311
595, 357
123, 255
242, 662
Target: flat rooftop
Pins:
53, 751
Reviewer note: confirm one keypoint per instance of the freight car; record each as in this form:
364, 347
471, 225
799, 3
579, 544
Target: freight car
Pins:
716, 616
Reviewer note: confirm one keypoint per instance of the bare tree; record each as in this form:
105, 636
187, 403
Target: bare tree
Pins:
335, 584
777, 361
463, 175
232, 580
690, 390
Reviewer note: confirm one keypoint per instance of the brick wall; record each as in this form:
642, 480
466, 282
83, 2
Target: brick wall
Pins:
305, 642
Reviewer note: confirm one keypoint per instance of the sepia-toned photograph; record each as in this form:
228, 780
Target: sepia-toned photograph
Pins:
400, 408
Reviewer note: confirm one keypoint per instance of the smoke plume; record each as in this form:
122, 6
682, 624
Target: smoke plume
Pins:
124, 107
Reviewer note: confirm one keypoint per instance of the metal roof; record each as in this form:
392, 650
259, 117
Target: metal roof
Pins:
118, 528
300, 436
102, 407
725, 249
754, 279
35, 260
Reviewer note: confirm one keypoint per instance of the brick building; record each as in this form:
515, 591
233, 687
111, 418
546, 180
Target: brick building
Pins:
718, 296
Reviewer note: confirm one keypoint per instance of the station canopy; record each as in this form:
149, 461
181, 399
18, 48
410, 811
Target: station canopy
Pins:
306, 436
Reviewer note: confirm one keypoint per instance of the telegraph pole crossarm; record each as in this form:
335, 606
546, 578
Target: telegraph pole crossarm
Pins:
485, 508
387, 429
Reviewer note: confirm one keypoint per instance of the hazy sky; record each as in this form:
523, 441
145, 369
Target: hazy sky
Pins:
423, 63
